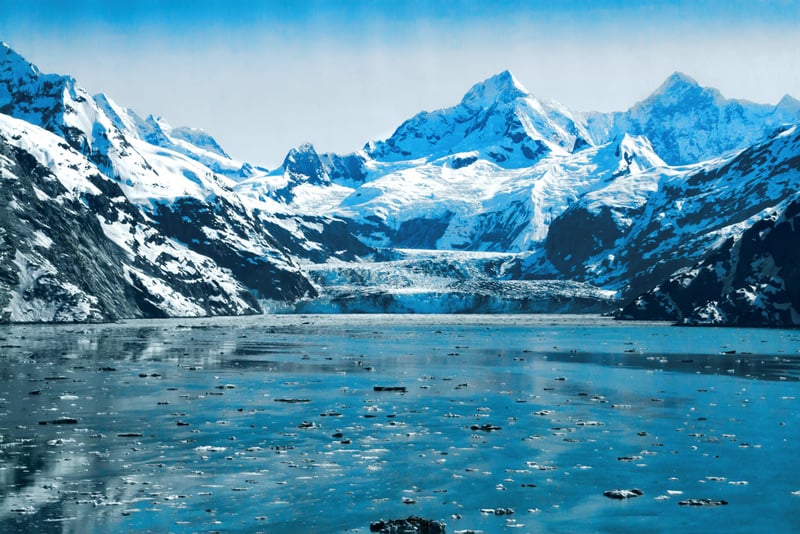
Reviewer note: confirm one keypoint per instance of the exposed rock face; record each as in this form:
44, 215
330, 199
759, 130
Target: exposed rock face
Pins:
579, 235
750, 280
59, 264
215, 231
55, 263
304, 163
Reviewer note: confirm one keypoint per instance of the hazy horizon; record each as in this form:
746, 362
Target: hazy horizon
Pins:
264, 77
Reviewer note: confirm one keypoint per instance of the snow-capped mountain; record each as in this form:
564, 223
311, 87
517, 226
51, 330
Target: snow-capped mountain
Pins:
504, 202
688, 123
498, 120
640, 232
468, 177
598, 203
163, 202
463, 178
75, 248
751, 279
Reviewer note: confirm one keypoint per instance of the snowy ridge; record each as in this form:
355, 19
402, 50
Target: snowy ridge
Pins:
179, 241
125, 267
193, 143
497, 117
688, 123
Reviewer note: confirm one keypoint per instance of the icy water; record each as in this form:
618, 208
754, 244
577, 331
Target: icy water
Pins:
289, 424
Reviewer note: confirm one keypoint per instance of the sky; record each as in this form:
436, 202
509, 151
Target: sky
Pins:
264, 76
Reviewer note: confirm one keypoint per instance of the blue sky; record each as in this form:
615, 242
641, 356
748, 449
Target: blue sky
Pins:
265, 76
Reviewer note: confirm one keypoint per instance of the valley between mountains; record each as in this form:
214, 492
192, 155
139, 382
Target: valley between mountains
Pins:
685, 207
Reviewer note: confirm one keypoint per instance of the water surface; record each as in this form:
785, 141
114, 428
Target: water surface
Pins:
274, 424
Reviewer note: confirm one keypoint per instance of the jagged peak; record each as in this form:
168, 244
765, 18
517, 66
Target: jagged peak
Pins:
679, 87
677, 82
304, 162
789, 103
305, 148
679, 77
10, 60
304, 152
503, 87
158, 122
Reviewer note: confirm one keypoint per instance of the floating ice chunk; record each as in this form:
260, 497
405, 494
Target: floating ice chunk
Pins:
623, 493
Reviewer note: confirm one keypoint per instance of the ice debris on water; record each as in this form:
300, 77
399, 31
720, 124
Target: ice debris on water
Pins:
497, 511
623, 493
60, 421
209, 448
702, 502
399, 389
540, 467
410, 525
485, 428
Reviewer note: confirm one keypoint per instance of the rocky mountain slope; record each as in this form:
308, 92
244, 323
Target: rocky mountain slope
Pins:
175, 239
752, 279
670, 219
74, 248
504, 202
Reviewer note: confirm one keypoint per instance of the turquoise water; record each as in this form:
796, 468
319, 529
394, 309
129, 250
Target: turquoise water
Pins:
274, 424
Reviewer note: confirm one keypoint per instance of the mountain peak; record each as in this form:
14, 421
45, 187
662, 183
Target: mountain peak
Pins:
158, 122
199, 138
306, 147
502, 87
789, 104
680, 89
304, 161
11, 63
677, 81
304, 152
